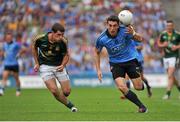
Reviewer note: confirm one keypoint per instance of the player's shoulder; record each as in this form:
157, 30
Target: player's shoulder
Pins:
102, 35
65, 40
38, 37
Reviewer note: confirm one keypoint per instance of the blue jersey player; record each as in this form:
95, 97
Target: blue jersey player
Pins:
122, 58
11, 51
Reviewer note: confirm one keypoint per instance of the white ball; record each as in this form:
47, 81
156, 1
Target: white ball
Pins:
126, 17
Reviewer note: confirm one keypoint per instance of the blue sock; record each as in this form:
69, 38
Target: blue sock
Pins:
69, 105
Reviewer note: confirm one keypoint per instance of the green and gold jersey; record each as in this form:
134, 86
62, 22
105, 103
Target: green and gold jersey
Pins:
173, 39
50, 53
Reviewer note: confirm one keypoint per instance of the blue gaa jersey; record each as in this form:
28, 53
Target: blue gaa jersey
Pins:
120, 48
140, 57
11, 50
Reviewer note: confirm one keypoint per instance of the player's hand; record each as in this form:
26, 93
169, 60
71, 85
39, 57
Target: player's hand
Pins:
36, 67
60, 68
99, 73
174, 47
165, 44
130, 30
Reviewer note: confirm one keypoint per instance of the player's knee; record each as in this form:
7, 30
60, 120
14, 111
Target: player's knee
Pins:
139, 87
67, 92
170, 77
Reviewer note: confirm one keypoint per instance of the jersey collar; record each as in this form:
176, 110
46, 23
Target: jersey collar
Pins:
108, 34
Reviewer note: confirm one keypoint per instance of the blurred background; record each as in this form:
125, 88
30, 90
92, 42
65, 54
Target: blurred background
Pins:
84, 20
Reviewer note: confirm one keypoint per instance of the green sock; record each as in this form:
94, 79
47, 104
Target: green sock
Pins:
18, 89
168, 93
69, 105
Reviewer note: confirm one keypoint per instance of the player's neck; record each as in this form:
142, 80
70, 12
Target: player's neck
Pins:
50, 38
170, 32
10, 42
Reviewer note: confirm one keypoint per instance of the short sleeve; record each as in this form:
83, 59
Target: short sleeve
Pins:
162, 38
99, 45
64, 48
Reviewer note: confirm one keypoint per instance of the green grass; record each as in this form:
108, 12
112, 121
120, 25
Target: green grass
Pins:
93, 103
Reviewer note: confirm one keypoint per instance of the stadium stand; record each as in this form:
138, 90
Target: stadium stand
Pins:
84, 20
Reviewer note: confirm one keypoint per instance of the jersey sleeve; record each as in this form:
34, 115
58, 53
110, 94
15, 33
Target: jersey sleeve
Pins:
64, 50
36, 41
162, 37
99, 45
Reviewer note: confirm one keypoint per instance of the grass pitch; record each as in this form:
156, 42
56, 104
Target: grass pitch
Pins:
99, 103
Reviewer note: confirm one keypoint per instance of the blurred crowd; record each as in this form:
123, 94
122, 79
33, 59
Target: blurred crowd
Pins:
84, 20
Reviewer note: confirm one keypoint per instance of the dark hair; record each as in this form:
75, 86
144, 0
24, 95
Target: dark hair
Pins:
113, 18
58, 27
169, 21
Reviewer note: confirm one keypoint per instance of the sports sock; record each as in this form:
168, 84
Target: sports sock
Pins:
133, 98
168, 93
18, 89
69, 105
128, 84
146, 82
142, 86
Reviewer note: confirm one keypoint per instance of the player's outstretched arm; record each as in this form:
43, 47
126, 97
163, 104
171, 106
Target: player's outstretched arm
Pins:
97, 63
35, 54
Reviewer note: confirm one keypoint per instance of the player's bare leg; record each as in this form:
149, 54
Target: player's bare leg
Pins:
170, 82
66, 90
129, 94
149, 91
127, 81
138, 83
57, 93
18, 83
4, 80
